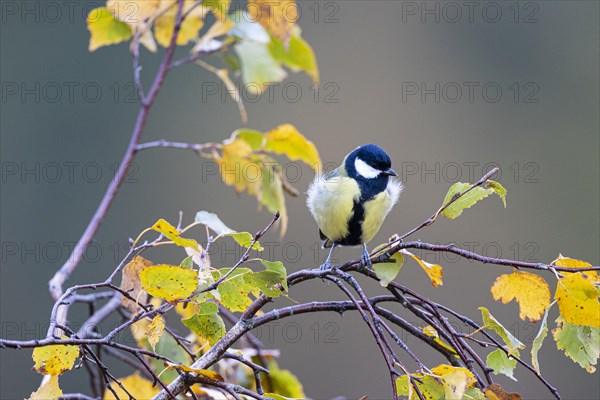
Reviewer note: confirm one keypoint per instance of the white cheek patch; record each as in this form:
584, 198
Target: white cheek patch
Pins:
365, 170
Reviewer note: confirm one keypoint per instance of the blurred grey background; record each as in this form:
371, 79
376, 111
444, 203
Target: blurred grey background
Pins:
448, 89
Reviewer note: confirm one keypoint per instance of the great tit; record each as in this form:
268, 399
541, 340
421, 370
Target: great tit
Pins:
351, 202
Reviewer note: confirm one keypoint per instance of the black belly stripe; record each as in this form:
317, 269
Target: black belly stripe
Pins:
354, 236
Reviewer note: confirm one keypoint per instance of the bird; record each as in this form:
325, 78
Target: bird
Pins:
350, 203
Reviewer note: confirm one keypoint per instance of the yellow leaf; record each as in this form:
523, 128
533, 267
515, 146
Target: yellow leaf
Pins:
131, 283
169, 282
285, 139
171, 233
165, 22
133, 12
215, 376
498, 189
278, 17
496, 392
444, 369
577, 299
105, 29
139, 388
139, 15
155, 330
430, 331
55, 359
568, 262
48, 391
238, 169
529, 290
433, 271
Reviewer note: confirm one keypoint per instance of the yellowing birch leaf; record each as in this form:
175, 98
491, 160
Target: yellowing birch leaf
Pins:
209, 327
215, 376
191, 25
580, 343
433, 271
568, 262
455, 380
238, 167
285, 139
529, 290
577, 299
277, 17
139, 388
171, 233
298, 56
387, 271
498, 189
155, 330
169, 282
455, 209
54, 359
430, 387
131, 283
489, 322
105, 29
430, 331
138, 14
258, 66
48, 391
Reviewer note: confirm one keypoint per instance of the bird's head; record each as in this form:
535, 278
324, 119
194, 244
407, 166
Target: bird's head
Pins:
369, 162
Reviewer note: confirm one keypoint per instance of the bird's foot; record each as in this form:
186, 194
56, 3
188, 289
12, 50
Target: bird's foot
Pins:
325, 266
365, 259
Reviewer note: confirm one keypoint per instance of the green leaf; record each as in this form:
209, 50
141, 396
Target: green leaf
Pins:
277, 266
501, 363
169, 282
253, 137
455, 209
299, 56
539, 340
234, 290
491, 323
430, 388
245, 239
387, 272
171, 233
212, 221
284, 383
580, 343
105, 29
498, 189
167, 346
209, 327
207, 308
272, 195
258, 66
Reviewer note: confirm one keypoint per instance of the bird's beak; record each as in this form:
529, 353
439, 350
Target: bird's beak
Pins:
390, 172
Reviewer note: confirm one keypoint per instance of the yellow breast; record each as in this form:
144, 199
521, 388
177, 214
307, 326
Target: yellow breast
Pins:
376, 210
331, 202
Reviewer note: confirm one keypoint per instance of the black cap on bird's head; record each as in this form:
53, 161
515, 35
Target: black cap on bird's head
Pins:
369, 161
